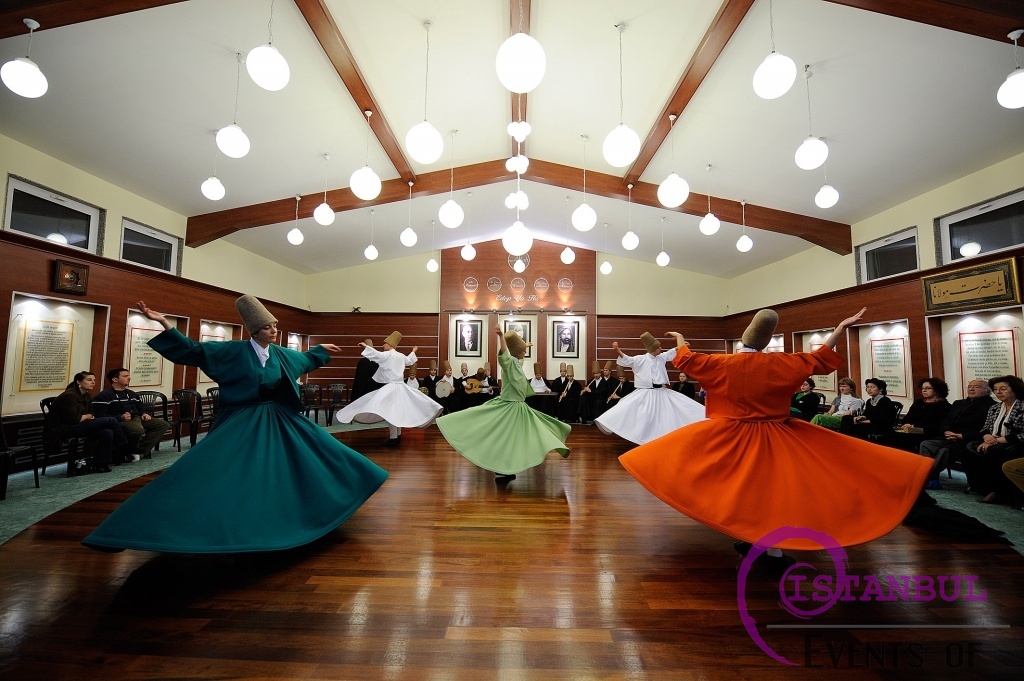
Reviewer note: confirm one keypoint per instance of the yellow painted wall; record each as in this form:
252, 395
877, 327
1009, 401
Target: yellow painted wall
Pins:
399, 285
807, 273
642, 288
222, 264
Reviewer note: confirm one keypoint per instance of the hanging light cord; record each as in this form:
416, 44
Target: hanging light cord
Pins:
1016, 61
469, 223
327, 162
372, 221
621, 28
426, 78
409, 206
771, 23
567, 222
32, 30
708, 171
629, 207
238, 80
270, 24
663, 233
297, 211
368, 113
743, 207
807, 82
671, 127
585, 140
451, 186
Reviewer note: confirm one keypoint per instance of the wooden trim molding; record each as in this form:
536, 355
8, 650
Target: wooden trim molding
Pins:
51, 14
982, 18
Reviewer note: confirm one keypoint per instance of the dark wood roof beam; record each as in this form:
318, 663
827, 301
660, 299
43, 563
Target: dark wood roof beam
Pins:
992, 19
57, 13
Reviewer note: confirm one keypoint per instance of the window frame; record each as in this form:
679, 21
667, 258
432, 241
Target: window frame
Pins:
943, 248
96, 214
863, 249
175, 242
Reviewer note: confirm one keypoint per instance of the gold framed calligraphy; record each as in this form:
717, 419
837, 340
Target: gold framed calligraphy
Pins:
992, 284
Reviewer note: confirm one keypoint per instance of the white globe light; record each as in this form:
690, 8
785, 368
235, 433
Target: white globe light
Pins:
510, 164
408, 237
468, 252
511, 200
517, 164
662, 259
432, 265
621, 146
24, 78
630, 240
744, 244
519, 130
522, 200
451, 214
295, 236
424, 143
826, 197
584, 217
968, 250
232, 141
519, 267
61, 239
709, 224
324, 214
606, 267
520, 63
1009, 95
365, 184
267, 67
673, 191
774, 76
568, 256
370, 252
811, 153
517, 239
213, 189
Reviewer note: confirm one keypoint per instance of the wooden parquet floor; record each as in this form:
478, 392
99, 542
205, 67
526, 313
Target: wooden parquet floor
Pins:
572, 571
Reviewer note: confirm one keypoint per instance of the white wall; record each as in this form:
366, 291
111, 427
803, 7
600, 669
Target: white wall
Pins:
399, 285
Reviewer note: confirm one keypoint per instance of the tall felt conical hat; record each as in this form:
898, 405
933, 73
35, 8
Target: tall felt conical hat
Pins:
464, 367
620, 371
608, 365
569, 369
447, 365
595, 367
515, 343
394, 339
561, 367
537, 368
651, 343
759, 332
433, 365
487, 366
253, 313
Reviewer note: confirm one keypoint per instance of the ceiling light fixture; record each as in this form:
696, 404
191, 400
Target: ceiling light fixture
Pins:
1011, 92
709, 224
365, 183
432, 265
744, 243
408, 236
662, 258
970, 249
324, 214
584, 217
568, 256
622, 145
370, 252
606, 267
468, 251
451, 214
630, 240
22, 75
519, 267
295, 235
813, 151
520, 62
230, 139
777, 72
266, 66
423, 141
673, 190
212, 187
827, 196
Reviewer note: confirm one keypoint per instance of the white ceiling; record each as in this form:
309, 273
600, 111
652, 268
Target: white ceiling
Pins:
136, 99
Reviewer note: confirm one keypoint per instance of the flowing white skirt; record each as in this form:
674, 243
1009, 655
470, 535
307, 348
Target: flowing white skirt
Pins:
648, 413
396, 403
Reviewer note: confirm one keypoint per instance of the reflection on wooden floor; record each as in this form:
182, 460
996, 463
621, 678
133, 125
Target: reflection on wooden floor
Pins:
572, 571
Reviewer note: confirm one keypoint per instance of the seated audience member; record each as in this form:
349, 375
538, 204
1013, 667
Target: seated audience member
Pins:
804, 404
141, 430
846, 403
461, 398
878, 416
962, 424
542, 398
1001, 440
924, 418
685, 387
71, 416
430, 380
446, 395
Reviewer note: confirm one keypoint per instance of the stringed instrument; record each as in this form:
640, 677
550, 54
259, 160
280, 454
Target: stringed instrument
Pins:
471, 386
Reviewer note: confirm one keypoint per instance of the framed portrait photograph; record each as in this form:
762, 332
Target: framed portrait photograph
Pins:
565, 339
468, 342
524, 328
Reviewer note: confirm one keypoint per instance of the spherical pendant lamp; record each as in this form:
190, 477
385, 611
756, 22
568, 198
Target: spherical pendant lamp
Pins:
424, 143
621, 146
606, 267
432, 265
630, 240
811, 153
408, 237
365, 184
744, 244
584, 217
213, 189
267, 67
468, 252
232, 141
295, 236
775, 76
826, 197
662, 259
520, 63
1009, 95
451, 214
517, 239
709, 224
673, 191
370, 252
24, 78
568, 256
324, 214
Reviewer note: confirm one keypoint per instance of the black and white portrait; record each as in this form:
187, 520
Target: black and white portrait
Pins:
523, 327
467, 338
565, 339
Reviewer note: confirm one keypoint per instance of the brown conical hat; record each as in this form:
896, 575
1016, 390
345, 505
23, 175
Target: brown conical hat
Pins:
487, 366
433, 365
759, 333
595, 367
569, 369
515, 343
561, 367
609, 364
650, 342
447, 365
253, 313
464, 366
537, 368
394, 339
620, 371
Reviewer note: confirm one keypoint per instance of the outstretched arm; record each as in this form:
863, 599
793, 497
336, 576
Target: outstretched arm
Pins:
841, 327
615, 346
502, 346
680, 341
153, 315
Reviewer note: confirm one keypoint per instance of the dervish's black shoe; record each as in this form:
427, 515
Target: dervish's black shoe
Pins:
393, 442
504, 479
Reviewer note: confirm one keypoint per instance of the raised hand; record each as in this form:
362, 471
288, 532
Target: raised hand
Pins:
152, 315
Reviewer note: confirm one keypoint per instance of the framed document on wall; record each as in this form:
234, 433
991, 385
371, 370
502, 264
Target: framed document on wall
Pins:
992, 284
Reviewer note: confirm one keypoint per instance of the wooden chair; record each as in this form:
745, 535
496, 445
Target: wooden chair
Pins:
155, 404
7, 456
189, 411
213, 396
72, 442
312, 396
334, 399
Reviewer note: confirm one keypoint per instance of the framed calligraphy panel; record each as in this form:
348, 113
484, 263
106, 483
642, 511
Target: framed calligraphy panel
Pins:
991, 284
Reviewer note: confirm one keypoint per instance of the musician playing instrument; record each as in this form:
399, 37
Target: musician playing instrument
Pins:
543, 399
595, 396
568, 391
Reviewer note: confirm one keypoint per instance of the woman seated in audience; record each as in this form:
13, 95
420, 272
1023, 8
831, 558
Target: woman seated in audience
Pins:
845, 404
878, 416
924, 419
1002, 439
804, 404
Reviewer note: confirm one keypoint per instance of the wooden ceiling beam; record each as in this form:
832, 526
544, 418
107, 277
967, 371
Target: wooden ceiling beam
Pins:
320, 21
57, 13
725, 23
992, 19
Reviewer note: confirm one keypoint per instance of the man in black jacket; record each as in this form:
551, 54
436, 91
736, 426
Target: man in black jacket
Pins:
71, 416
962, 424
142, 430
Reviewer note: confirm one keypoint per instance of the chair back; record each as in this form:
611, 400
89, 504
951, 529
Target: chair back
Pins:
152, 402
898, 410
3, 439
311, 394
44, 406
189, 403
213, 394
336, 391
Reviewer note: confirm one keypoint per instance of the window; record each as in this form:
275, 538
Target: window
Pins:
46, 214
149, 247
888, 256
990, 226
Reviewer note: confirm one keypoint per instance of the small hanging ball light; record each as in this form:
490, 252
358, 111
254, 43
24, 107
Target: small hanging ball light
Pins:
826, 197
267, 67
365, 184
468, 252
295, 236
662, 259
324, 214
24, 78
451, 214
408, 237
568, 256
232, 141
432, 265
517, 239
744, 244
424, 143
517, 164
511, 200
519, 130
520, 63
673, 191
370, 252
630, 240
621, 146
774, 76
519, 266
584, 218
970, 249
1009, 95
709, 224
811, 153
213, 189
522, 200
606, 267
